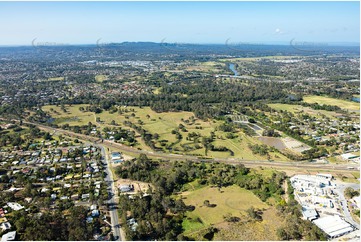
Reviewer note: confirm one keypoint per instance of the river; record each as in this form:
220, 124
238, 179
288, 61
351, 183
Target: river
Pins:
233, 69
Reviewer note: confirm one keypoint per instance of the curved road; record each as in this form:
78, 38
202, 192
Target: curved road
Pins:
346, 212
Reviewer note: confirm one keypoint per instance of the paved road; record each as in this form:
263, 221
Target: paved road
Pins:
111, 202
341, 191
159, 155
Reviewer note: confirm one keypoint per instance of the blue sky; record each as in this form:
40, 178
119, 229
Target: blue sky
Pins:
181, 22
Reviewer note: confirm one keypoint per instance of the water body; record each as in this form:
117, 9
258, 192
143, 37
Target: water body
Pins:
233, 69
356, 99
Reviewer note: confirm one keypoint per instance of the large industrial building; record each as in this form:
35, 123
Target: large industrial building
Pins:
333, 226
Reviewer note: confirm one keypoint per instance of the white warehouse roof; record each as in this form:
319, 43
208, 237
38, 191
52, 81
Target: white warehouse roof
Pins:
333, 226
9, 236
348, 156
309, 213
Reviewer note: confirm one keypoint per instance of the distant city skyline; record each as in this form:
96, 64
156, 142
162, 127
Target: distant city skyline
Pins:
75, 23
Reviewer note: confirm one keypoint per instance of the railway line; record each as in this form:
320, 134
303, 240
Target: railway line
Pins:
166, 156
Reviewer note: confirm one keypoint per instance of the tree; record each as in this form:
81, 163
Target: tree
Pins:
77, 226
350, 192
47, 136
254, 214
251, 120
206, 203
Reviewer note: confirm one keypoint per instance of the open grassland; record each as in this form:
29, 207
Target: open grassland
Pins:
209, 66
56, 79
163, 124
265, 230
351, 177
230, 201
300, 109
157, 90
257, 58
101, 78
73, 116
348, 105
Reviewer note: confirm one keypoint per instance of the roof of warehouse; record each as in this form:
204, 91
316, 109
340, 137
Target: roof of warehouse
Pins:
333, 225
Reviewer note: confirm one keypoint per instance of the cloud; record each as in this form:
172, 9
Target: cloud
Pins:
278, 31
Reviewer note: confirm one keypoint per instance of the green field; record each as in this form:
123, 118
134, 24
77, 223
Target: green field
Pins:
276, 57
101, 78
229, 201
348, 105
209, 66
56, 79
163, 124
298, 109
73, 116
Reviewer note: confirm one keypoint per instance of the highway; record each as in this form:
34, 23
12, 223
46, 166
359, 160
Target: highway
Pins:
112, 191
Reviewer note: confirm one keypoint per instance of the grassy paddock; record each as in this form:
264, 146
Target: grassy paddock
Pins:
101, 78
230, 200
275, 57
352, 106
56, 79
298, 108
163, 124
73, 116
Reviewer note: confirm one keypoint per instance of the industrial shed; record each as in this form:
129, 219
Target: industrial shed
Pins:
333, 226
309, 213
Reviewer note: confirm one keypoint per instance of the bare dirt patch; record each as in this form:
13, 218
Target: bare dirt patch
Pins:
274, 142
295, 145
138, 186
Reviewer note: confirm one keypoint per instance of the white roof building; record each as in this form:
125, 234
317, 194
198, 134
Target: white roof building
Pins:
9, 236
5, 226
309, 213
15, 206
333, 226
116, 155
348, 156
95, 213
325, 176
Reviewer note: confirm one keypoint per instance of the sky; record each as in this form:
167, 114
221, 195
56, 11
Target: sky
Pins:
70, 23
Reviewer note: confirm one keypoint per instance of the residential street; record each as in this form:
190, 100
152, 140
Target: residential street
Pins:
112, 202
